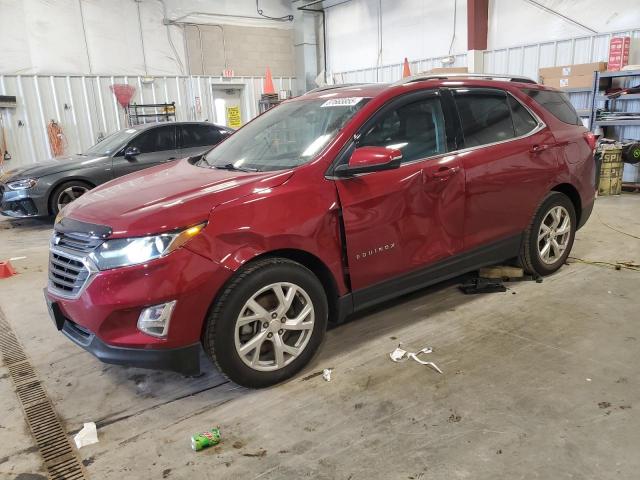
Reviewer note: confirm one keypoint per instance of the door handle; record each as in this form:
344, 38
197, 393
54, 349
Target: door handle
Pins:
445, 172
540, 148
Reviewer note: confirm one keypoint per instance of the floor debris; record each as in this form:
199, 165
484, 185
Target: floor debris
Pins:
205, 439
87, 436
326, 374
482, 285
401, 355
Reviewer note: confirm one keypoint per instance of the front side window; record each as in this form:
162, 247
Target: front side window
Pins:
286, 136
199, 136
485, 117
157, 139
416, 129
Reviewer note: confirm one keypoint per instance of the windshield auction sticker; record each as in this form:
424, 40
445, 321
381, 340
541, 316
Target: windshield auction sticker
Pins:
342, 102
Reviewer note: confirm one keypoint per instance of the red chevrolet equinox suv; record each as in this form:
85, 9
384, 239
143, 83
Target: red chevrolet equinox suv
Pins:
329, 203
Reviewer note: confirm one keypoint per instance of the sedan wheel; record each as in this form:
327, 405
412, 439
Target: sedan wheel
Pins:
274, 326
69, 194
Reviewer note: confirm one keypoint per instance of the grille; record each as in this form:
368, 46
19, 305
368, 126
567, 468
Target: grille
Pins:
78, 242
67, 275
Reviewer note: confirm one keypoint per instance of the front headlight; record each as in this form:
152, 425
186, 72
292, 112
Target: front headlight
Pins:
134, 251
22, 184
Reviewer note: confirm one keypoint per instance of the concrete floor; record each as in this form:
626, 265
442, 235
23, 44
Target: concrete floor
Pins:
539, 382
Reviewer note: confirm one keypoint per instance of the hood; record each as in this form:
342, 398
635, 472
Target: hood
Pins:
57, 165
166, 197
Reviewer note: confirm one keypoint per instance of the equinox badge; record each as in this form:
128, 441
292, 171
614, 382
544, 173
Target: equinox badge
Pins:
375, 251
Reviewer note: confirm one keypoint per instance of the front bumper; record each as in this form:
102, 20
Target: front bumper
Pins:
23, 203
103, 318
185, 360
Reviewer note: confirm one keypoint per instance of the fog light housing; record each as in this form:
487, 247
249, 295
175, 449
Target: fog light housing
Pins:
155, 320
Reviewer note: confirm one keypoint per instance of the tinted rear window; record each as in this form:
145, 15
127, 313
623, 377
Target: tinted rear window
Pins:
557, 104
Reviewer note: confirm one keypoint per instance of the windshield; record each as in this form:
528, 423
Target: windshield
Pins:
112, 143
287, 136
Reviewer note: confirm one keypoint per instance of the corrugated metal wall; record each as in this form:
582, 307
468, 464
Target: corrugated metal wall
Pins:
86, 108
392, 73
526, 60
521, 60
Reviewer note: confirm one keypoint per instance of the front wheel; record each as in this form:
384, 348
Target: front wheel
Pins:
66, 193
549, 238
267, 324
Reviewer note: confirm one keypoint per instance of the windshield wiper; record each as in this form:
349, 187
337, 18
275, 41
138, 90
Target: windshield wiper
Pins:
231, 166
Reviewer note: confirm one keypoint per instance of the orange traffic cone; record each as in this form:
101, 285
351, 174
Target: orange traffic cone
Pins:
6, 269
406, 71
268, 83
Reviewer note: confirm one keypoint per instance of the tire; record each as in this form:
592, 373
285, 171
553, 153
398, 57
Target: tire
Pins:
534, 258
76, 188
224, 335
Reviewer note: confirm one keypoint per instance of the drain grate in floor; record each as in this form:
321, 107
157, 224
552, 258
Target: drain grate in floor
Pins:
59, 457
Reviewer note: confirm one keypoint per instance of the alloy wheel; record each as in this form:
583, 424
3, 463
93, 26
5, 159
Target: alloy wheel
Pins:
69, 194
274, 326
554, 234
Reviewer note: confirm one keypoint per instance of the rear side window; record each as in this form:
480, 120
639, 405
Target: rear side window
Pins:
199, 136
523, 121
485, 117
157, 139
557, 104
416, 129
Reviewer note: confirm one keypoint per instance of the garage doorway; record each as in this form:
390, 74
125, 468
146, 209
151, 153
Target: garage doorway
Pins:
227, 105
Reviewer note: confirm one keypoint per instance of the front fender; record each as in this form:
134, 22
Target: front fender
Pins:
292, 216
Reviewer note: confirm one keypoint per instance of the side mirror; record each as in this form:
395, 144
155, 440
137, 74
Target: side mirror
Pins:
131, 153
369, 159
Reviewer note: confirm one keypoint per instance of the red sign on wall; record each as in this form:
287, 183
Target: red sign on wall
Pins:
618, 53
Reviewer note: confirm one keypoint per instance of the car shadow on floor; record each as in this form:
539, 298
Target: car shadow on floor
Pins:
26, 224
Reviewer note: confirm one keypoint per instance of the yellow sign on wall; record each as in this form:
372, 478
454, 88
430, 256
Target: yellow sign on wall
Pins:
234, 119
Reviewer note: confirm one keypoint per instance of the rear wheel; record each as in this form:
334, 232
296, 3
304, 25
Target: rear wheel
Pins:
268, 323
549, 238
66, 193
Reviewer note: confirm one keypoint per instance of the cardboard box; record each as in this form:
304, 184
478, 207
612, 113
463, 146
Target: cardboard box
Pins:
574, 81
571, 70
619, 49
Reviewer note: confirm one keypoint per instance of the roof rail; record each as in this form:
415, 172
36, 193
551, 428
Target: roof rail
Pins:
332, 87
447, 76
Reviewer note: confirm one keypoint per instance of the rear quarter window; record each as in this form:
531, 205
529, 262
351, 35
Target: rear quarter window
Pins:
555, 103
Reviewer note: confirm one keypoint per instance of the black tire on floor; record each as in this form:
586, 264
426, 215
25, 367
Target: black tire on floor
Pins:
219, 333
530, 258
53, 199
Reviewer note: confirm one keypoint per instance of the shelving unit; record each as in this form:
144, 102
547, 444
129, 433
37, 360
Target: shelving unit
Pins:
601, 101
610, 103
162, 112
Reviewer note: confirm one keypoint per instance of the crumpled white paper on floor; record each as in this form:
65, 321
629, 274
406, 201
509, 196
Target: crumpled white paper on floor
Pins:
87, 436
401, 355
